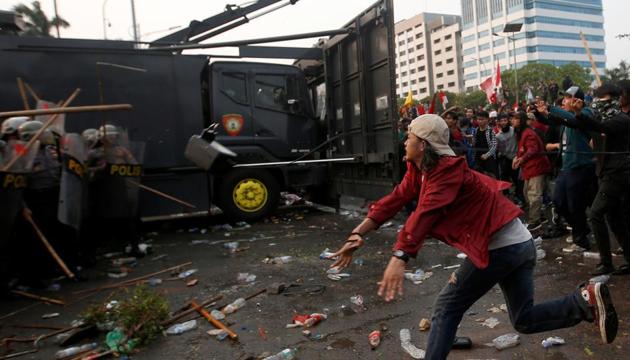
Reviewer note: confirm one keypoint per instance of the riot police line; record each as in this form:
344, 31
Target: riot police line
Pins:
78, 189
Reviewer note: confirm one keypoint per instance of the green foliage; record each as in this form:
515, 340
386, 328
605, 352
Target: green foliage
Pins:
470, 100
37, 23
621, 72
140, 315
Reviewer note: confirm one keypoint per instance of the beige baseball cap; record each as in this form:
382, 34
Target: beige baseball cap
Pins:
433, 129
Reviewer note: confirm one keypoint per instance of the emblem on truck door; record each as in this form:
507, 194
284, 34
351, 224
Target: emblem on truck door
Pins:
232, 123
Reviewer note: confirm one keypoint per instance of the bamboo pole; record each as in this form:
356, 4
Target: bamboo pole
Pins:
67, 110
132, 281
41, 131
37, 297
32, 92
20, 84
590, 58
14, 355
213, 321
190, 311
161, 194
49, 247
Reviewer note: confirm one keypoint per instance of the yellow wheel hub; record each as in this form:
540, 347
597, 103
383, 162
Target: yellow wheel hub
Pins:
250, 195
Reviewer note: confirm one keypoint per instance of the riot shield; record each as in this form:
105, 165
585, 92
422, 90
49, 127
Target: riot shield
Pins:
12, 185
116, 188
72, 185
58, 126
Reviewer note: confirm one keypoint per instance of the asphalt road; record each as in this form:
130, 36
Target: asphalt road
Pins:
303, 233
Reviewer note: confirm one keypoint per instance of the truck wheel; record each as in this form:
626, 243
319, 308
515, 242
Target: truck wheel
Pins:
248, 194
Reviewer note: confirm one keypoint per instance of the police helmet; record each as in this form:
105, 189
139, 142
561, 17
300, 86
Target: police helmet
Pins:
90, 136
10, 126
109, 130
28, 129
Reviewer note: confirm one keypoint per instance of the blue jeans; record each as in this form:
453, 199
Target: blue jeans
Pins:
512, 267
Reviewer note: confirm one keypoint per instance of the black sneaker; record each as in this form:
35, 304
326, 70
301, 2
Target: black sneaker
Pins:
602, 269
604, 315
536, 225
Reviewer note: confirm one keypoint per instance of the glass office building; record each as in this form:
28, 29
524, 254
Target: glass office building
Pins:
550, 34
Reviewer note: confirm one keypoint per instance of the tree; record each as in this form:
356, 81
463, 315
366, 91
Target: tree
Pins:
37, 23
581, 76
471, 100
621, 72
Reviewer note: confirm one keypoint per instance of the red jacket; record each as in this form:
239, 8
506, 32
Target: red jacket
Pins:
532, 151
456, 205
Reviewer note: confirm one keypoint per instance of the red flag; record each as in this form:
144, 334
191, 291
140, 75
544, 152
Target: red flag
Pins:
497, 79
443, 99
487, 87
421, 110
432, 106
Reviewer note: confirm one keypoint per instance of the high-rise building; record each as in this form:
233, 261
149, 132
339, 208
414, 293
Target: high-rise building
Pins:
428, 55
550, 35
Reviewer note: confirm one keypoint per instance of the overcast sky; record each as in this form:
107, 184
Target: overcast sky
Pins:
155, 17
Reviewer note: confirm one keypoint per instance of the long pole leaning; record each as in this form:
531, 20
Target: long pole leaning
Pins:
41, 131
49, 247
590, 58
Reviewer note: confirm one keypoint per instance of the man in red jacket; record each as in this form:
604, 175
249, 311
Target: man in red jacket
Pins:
466, 210
534, 164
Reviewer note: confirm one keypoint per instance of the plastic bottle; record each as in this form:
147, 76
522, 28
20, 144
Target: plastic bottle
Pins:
286, 354
217, 314
551, 341
237, 304
326, 254
71, 351
182, 328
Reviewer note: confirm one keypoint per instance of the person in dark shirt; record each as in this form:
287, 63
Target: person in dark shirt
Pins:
485, 143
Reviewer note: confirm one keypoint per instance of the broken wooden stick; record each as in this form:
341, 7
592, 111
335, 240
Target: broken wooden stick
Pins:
36, 326
164, 195
132, 281
20, 84
14, 355
35, 340
191, 310
67, 110
39, 132
12, 313
213, 320
32, 92
37, 297
49, 247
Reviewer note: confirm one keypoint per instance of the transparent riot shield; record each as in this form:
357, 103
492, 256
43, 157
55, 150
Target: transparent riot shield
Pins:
116, 188
58, 126
13, 181
72, 188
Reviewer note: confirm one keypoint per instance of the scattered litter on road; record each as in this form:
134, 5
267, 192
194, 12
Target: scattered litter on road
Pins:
552, 341
337, 277
222, 227
220, 334
117, 275
237, 304
462, 256
192, 282
387, 224
241, 225
591, 255
374, 338
71, 351
418, 276
588, 351
405, 343
358, 262
491, 322
217, 314
124, 261
506, 341
50, 316
326, 255
451, 267
54, 287
154, 281
187, 273
357, 300
286, 354
182, 327
540, 254
308, 321
538, 241
424, 325
278, 259
600, 279
436, 266
159, 257
246, 278
200, 242
232, 246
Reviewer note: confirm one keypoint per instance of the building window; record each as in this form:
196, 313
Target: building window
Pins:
404, 84
412, 71
448, 61
469, 51
409, 40
411, 61
419, 35
468, 38
235, 86
440, 75
422, 68
448, 37
450, 72
422, 79
483, 34
401, 43
419, 46
440, 87
499, 42
411, 50
436, 41
451, 84
423, 90
448, 48
401, 53
404, 73
413, 82
415, 92
437, 52
485, 46
439, 63
420, 57
403, 63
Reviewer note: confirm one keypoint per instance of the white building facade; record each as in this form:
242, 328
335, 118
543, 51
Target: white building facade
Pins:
428, 55
550, 34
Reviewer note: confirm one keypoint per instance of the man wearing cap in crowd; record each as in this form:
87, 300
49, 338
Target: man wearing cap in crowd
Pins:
466, 209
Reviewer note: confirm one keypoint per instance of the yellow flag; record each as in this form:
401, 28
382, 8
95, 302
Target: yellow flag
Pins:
408, 100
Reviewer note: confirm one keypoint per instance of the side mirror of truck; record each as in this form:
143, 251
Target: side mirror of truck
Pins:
295, 107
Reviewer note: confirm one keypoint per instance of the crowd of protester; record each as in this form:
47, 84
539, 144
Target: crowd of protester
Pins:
567, 155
